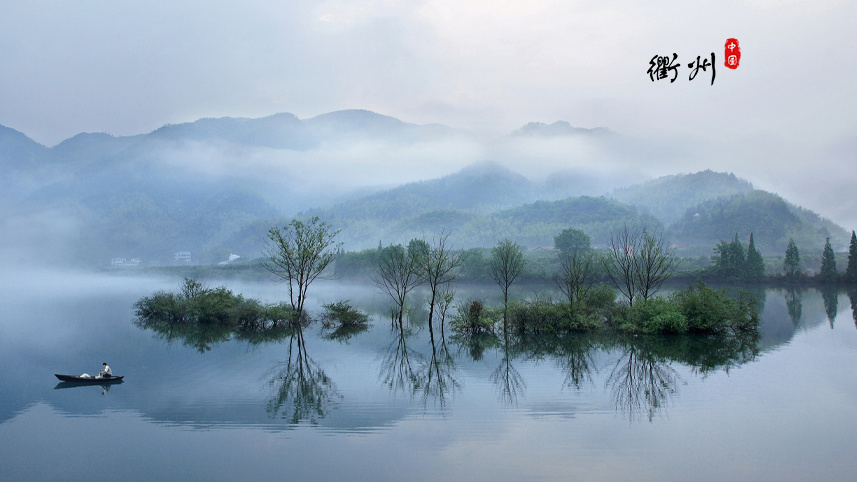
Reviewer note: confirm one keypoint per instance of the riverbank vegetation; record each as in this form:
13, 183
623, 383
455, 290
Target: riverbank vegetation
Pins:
200, 316
614, 288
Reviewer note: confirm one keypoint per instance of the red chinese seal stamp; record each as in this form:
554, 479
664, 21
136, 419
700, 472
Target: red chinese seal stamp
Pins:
732, 53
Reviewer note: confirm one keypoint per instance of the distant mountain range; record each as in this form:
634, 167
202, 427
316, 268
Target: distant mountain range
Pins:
215, 186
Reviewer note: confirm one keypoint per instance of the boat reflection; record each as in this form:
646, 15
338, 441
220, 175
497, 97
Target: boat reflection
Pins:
105, 387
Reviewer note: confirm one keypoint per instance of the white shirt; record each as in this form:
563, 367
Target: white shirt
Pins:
106, 370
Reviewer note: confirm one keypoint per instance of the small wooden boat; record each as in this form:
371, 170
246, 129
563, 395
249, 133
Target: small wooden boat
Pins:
99, 379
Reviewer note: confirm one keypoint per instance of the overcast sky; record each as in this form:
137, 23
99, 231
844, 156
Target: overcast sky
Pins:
783, 119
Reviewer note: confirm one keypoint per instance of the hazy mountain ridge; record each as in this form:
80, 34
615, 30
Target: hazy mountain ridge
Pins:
669, 197
558, 128
217, 185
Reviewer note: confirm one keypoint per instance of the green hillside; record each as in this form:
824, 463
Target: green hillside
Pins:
480, 188
771, 219
668, 197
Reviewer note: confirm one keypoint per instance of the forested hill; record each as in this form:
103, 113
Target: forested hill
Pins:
533, 224
771, 219
704, 208
669, 197
479, 188
215, 186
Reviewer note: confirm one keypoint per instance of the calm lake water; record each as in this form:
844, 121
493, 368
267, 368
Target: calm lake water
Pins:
382, 406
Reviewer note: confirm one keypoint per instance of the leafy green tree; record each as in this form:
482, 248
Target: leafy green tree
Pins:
474, 266
299, 253
851, 270
791, 263
736, 255
418, 248
754, 269
729, 260
828, 263
571, 241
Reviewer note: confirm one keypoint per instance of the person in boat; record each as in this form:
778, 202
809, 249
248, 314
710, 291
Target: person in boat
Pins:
105, 371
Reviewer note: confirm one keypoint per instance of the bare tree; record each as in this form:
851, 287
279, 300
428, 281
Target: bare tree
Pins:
656, 263
437, 268
621, 261
638, 263
397, 275
575, 275
507, 263
299, 253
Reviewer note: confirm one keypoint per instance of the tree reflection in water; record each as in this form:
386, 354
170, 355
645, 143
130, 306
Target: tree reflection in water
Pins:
794, 305
642, 381
642, 377
830, 295
397, 371
432, 377
436, 379
852, 297
509, 382
202, 337
577, 361
301, 389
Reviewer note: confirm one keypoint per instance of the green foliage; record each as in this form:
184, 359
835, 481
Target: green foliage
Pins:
600, 298
709, 310
543, 315
357, 261
730, 264
572, 241
696, 309
763, 213
828, 263
200, 305
344, 314
537, 223
201, 317
791, 263
299, 253
754, 269
669, 197
195, 304
474, 266
851, 270
472, 317
655, 315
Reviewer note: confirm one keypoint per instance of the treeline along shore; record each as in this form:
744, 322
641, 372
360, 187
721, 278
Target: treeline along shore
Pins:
731, 263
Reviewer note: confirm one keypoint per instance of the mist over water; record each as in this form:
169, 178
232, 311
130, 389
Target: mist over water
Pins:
232, 399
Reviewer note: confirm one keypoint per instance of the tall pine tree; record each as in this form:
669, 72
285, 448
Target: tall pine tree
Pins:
736, 258
791, 264
828, 264
851, 270
755, 266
